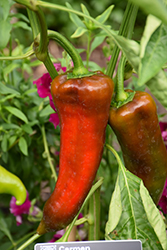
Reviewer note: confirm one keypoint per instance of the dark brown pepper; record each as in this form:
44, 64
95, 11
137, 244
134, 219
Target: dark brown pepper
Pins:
137, 129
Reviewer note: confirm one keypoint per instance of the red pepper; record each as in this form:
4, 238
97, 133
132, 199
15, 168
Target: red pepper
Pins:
137, 129
83, 107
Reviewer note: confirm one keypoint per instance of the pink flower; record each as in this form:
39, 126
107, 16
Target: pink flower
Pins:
43, 89
163, 127
19, 210
163, 201
58, 235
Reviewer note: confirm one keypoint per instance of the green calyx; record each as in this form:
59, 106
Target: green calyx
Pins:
118, 104
79, 74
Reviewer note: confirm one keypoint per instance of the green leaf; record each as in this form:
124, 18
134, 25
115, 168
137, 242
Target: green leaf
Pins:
152, 61
154, 216
4, 143
12, 140
89, 24
23, 25
158, 87
46, 111
30, 91
74, 18
16, 112
93, 66
7, 70
6, 90
5, 29
4, 228
27, 128
115, 210
7, 126
152, 23
85, 11
97, 41
79, 32
105, 15
134, 222
20, 16
154, 7
23, 146
4, 9
130, 48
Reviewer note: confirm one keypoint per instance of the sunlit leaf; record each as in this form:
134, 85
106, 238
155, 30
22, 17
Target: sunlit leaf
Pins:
105, 15
79, 32
74, 18
152, 23
154, 7
116, 206
131, 198
152, 61
154, 216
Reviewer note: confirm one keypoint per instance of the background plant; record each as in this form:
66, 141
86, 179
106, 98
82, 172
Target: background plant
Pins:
26, 135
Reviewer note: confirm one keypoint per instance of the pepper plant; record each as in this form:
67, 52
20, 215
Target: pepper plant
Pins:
54, 134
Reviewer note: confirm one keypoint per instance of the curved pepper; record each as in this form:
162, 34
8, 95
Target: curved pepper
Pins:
137, 129
11, 184
83, 107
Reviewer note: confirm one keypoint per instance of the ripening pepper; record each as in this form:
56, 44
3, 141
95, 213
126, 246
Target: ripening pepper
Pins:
137, 129
83, 107
11, 184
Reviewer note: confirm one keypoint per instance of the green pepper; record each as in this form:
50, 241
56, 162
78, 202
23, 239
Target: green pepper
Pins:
83, 107
137, 129
11, 184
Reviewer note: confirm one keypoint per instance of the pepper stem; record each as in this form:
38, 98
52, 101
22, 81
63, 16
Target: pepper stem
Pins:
79, 69
126, 30
121, 95
39, 29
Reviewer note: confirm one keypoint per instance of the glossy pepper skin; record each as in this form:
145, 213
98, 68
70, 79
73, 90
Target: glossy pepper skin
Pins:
83, 108
137, 129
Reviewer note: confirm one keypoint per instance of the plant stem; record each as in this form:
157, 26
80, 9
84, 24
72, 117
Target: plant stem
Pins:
50, 67
94, 216
29, 241
79, 68
20, 240
125, 30
48, 154
34, 22
27, 54
121, 95
42, 49
64, 238
88, 49
38, 24
115, 154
